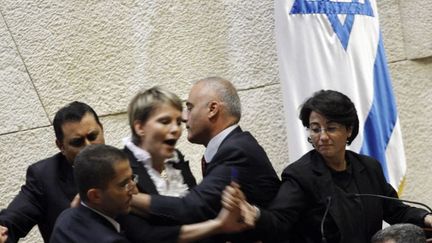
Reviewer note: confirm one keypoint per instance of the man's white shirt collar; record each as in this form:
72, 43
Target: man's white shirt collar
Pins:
215, 142
111, 220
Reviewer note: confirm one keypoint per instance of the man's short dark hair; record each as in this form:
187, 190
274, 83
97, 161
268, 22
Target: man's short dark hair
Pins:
400, 233
72, 112
94, 167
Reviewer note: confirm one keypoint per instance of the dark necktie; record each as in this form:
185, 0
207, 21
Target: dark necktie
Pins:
203, 166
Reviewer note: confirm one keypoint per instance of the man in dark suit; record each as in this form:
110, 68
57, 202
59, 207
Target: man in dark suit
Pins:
213, 113
50, 185
105, 183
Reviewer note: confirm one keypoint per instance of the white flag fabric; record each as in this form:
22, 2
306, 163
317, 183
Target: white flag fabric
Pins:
323, 44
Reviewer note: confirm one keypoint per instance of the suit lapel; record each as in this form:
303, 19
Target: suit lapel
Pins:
361, 179
66, 177
326, 188
211, 164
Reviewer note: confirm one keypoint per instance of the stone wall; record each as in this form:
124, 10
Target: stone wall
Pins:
101, 52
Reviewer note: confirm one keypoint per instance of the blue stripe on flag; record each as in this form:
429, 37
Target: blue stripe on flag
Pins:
383, 114
331, 7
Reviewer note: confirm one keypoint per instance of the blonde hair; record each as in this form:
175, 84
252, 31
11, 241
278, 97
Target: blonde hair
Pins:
142, 106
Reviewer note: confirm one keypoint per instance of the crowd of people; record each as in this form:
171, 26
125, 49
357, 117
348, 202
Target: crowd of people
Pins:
146, 192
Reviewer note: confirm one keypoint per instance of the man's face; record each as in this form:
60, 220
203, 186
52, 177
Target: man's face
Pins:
196, 115
77, 135
117, 197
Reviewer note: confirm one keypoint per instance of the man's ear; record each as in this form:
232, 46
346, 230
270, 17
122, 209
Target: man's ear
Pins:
60, 145
214, 108
94, 195
349, 131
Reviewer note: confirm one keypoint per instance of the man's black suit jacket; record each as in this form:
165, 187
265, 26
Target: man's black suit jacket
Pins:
83, 225
48, 190
238, 154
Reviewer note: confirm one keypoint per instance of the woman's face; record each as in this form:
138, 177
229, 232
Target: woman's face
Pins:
329, 138
159, 134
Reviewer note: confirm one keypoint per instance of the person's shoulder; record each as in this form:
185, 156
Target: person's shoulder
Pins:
67, 215
47, 163
303, 167
239, 138
303, 162
365, 160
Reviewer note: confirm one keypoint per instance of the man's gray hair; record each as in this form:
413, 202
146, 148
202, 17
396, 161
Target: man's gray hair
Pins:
400, 233
226, 92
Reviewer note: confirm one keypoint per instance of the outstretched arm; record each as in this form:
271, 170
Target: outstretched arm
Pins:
229, 220
141, 203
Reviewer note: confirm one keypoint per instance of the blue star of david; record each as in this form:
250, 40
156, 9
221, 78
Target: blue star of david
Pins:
332, 8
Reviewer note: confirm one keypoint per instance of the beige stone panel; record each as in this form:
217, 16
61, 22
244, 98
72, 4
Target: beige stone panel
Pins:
412, 85
263, 116
251, 43
417, 25
116, 127
102, 52
391, 29
17, 152
79, 50
19, 103
187, 41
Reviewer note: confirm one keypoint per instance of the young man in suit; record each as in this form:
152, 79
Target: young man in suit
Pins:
105, 183
50, 186
212, 116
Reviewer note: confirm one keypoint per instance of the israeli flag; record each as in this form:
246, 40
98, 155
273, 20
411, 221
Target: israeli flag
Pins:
336, 44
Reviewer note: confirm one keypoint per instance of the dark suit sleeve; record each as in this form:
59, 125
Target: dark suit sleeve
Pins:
25, 210
201, 203
283, 212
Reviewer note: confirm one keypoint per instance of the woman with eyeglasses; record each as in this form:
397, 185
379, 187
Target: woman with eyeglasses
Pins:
317, 201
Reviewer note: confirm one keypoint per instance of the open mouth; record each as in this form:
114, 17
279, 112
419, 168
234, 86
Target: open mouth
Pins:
170, 142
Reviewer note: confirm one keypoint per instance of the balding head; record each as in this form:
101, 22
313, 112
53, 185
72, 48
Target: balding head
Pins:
225, 91
213, 105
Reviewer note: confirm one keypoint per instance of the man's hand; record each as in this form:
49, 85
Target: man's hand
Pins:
237, 214
3, 234
428, 220
76, 201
